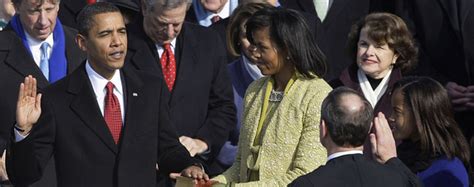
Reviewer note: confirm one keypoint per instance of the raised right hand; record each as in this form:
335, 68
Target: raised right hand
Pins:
382, 141
28, 108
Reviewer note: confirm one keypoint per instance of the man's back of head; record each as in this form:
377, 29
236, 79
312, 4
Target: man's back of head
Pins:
346, 120
347, 117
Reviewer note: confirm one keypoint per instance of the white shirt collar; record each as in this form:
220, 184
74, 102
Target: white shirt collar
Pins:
32, 42
35, 47
204, 17
343, 153
159, 47
98, 82
98, 85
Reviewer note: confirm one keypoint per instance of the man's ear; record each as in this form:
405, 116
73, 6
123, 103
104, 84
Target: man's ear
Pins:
323, 128
81, 42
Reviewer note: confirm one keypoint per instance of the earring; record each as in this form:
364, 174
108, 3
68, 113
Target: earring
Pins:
287, 57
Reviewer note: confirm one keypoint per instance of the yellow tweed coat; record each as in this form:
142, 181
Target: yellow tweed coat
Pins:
290, 144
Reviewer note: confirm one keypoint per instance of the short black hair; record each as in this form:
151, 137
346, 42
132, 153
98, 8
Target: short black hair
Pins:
290, 32
346, 128
85, 18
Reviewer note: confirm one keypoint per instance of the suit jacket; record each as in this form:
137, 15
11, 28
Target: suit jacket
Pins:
290, 147
332, 33
201, 103
73, 129
68, 11
444, 30
355, 170
16, 63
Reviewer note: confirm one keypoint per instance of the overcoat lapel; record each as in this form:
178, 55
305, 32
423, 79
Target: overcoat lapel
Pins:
85, 106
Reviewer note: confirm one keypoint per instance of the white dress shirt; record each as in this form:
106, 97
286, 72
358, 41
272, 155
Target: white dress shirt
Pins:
35, 47
204, 17
98, 86
343, 153
160, 49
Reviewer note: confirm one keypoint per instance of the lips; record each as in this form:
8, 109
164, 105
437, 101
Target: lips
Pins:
117, 54
369, 61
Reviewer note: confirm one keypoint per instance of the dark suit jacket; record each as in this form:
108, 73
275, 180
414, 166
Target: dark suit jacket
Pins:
355, 170
332, 33
73, 129
68, 11
201, 103
444, 30
16, 63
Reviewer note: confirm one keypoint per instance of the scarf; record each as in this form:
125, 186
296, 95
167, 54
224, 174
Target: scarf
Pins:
373, 96
57, 60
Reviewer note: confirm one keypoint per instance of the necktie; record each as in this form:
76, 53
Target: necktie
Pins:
322, 7
44, 61
112, 114
215, 19
168, 65
91, 1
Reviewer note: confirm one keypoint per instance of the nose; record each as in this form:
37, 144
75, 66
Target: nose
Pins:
170, 31
116, 40
43, 19
370, 50
254, 51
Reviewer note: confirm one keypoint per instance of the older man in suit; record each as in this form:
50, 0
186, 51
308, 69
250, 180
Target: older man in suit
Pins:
345, 124
105, 125
192, 61
34, 43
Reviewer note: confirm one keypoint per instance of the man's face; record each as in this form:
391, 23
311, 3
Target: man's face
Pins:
214, 6
38, 19
106, 44
162, 26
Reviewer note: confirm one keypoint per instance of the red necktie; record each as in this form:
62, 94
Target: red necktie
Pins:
112, 113
168, 65
215, 19
91, 1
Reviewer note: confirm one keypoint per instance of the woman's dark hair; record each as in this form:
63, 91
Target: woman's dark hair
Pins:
290, 33
390, 29
433, 114
240, 15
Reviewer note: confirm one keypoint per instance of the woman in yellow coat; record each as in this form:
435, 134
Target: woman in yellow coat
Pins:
280, 127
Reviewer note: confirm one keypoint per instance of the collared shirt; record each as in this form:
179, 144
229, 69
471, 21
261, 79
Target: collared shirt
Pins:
35, 47
343, 153
204, 17
98, 85
160, 49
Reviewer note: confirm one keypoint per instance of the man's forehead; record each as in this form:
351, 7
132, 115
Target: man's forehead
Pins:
170, 19
109, 20
38, 3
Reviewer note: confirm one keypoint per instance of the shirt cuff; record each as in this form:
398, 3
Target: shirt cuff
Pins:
18, 135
